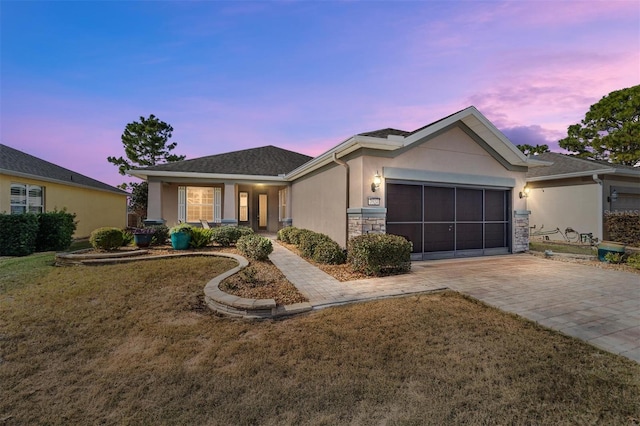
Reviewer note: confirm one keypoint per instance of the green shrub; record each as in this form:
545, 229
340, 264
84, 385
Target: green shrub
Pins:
160, 234
255, 246
183, 227
19, 234
329, 252
308, 242
295, 234
55, 230
379, 254
106, 238
200, 237
127, 236
284, 234
615, 258
227, 235
634, 260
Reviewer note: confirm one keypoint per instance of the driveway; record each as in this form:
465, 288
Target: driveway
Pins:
600, 306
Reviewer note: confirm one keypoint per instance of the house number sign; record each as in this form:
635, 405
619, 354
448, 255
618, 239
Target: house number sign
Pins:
374, 201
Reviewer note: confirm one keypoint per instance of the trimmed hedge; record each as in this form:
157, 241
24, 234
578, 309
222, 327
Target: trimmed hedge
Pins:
623, 227
379, 254
284, 234
329, 252
106, 238
255, 246
228, 235
55, 230
19, 234
309, 240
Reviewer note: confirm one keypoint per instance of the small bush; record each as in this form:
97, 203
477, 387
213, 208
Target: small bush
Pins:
227, 235
55, 230
329, 252
379, 254
295, 234
634, 260
255, 246
200, 237
160, 234
127, 236
309, 240
183, 227
615, 258
284, 234
106, 238
19, 234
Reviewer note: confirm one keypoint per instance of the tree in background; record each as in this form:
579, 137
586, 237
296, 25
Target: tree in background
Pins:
533, 150
610, 129
146, 143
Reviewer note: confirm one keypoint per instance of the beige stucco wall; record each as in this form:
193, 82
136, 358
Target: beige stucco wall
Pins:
571, 206
319, 203
451, 152
93, 208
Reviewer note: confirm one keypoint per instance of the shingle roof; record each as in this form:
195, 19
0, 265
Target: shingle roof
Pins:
568, 164
383, 133
14, 162
263, 161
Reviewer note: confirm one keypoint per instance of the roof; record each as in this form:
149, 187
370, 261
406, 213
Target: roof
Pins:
263, 161
566, 166
18, 163
383, 133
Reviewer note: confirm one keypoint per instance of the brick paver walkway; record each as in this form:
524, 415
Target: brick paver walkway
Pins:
600, 306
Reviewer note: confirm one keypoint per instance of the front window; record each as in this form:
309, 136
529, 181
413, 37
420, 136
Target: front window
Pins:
199, 204
26, 198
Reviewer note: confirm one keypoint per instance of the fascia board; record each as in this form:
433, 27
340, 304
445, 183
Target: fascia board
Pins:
60, 182
142, 174
572, 175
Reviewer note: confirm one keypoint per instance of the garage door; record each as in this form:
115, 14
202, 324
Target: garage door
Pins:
450, 221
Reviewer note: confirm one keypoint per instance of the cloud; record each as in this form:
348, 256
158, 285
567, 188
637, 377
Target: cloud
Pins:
533, 135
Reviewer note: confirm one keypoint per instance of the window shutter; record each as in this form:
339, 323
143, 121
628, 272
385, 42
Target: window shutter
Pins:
217, 205
182, 204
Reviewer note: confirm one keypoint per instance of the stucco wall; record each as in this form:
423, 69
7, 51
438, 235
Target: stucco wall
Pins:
572, 206
93, 208
319, 203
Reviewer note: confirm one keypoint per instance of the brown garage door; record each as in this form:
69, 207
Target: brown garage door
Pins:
449, 221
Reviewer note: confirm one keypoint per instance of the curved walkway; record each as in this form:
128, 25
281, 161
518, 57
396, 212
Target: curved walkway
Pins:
600, 306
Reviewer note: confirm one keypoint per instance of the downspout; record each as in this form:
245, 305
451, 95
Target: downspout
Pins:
346, 166
597, 180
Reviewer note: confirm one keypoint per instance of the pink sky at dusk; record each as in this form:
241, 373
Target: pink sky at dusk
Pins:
299, 75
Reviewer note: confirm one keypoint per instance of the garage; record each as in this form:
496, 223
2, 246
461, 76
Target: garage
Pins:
449, 221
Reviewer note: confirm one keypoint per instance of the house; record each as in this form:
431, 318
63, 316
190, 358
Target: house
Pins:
450, 187
573, 194
30, 184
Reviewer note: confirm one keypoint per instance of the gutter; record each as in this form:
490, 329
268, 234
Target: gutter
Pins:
346, 166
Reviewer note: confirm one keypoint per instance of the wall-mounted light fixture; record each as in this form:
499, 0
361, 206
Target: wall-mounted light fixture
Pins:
613, 197
376, 182
525, 192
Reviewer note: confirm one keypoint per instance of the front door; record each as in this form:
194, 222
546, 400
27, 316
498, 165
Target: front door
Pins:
262, 211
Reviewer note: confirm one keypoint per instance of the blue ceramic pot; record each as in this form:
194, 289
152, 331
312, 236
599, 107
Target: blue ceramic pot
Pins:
180, 240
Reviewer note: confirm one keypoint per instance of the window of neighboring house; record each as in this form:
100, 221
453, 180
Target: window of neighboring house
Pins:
199, 203
26, 198
282, 211
243, 213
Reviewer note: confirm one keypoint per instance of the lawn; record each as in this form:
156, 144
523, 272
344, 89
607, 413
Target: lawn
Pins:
134, 344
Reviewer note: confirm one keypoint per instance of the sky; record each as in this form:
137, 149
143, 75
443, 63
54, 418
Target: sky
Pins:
300, 75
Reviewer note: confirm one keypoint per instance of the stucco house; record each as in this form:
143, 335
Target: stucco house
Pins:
30, 184
575, 193
450, 187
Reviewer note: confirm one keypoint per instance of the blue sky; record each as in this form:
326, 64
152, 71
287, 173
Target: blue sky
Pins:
299, 75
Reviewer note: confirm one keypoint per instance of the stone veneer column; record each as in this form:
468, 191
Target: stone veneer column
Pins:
366, 220
521, 228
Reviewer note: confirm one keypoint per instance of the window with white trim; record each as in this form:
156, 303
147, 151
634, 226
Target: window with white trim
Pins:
243, 211
282, 210
26, 198
199, 203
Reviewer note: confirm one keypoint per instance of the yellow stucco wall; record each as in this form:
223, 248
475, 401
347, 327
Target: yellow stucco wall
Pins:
93, 208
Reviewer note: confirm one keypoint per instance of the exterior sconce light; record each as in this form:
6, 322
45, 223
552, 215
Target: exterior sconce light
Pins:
613, 197
376, 182
525, 192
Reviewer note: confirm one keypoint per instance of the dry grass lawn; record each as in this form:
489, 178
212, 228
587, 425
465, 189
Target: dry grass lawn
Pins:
133, 344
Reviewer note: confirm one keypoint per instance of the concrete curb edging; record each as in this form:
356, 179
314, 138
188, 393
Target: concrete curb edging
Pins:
216, 299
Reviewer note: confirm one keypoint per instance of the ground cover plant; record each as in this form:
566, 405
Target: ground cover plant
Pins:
133, 344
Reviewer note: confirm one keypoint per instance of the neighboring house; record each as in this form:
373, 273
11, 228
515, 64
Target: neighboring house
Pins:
29, 184
450, 187
574, 193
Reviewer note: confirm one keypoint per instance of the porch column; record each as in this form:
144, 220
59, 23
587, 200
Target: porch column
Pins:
154, 201
229, 215
521, 231
366, 220
288, 219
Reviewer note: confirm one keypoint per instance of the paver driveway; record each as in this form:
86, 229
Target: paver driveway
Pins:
600, 306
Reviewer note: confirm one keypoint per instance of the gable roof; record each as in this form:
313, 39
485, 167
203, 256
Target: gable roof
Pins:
567, 166
21, 164
263, 161
394, 139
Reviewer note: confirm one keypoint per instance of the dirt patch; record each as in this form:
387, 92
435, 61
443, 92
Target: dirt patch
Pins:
586, 260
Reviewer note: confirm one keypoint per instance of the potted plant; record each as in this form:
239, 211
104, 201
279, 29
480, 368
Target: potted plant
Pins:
180, 236
142, 237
